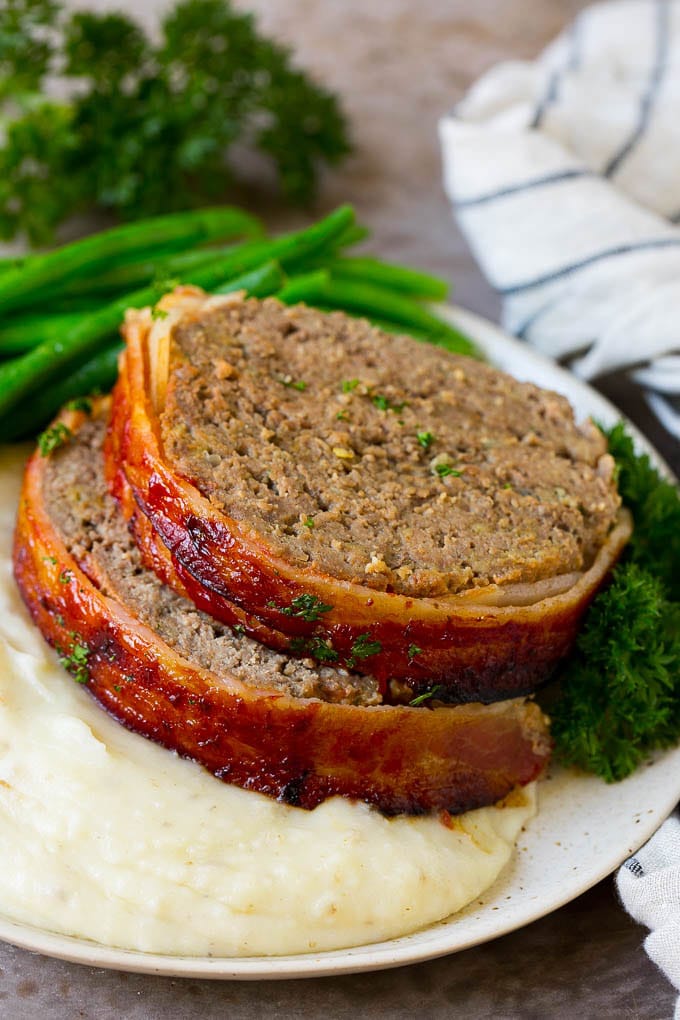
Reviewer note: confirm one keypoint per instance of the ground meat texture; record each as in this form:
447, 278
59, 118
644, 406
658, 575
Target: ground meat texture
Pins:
379, 459
88, 519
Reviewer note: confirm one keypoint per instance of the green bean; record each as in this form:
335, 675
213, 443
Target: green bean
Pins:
97, 375
456, 344
285, 249
100, 372
371, 300
8, 262
304, 263
304, 287
260, 282
25, 332
62, 306
321, 236
399, 278
351, 236
19, 286
282, 249
395, 328
88, 295
122, 279
59, 354
319, 290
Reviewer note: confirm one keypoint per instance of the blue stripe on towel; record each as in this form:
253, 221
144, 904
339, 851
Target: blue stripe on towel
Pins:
589, 260
649, 96
553, 88
547, 100
523, 331
514, 189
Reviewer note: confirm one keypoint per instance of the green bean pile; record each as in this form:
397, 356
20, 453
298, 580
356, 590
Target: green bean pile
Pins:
60, 312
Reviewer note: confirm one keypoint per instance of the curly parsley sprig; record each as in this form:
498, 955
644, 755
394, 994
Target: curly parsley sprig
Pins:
149, 126
619, 694
655, 505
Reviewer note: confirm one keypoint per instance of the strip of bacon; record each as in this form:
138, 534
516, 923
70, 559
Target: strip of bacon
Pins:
397, 758
481, 645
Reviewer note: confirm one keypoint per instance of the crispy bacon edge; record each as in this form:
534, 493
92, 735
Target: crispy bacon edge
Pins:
400, 759
474, 650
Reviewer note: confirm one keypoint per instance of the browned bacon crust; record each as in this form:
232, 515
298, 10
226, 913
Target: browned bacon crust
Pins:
483, 644
400, 759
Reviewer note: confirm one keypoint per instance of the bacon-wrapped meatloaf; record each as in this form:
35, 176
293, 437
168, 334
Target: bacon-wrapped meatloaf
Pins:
264, 720
368, 500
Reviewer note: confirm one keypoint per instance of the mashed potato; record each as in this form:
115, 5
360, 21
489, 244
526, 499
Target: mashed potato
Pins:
106, 836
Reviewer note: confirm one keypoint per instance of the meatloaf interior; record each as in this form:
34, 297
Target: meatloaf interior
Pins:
142, 651
89, 520
379, 459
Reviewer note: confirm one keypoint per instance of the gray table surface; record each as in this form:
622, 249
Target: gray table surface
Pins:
398, 64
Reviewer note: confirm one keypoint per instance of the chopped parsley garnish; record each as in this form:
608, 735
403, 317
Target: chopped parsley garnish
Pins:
342, 416
384, 403
317, 647
51, 559
166, 283
239, 629
444, 470
65, 576
53, 437
75, 660
413, 651
308, 522
306, 607
322, 650
294, 384
426, 695
364, 646
426, 439
349, 384
80, 404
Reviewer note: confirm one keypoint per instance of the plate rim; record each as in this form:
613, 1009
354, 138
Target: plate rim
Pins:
402, 951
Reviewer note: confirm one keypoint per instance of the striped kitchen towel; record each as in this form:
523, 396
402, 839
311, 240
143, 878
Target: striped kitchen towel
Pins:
649, 885
565, 178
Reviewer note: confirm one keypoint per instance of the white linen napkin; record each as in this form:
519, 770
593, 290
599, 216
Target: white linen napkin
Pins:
565, 178
649, 885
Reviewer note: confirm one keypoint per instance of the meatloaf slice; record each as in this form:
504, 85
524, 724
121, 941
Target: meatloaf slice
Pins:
200, 400
255, 718
380, 460
86, 516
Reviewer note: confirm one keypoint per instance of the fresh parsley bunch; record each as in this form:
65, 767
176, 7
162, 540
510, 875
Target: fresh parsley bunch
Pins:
619, 694
148, 127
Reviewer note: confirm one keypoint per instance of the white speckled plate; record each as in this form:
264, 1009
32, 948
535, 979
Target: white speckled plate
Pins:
583, 831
